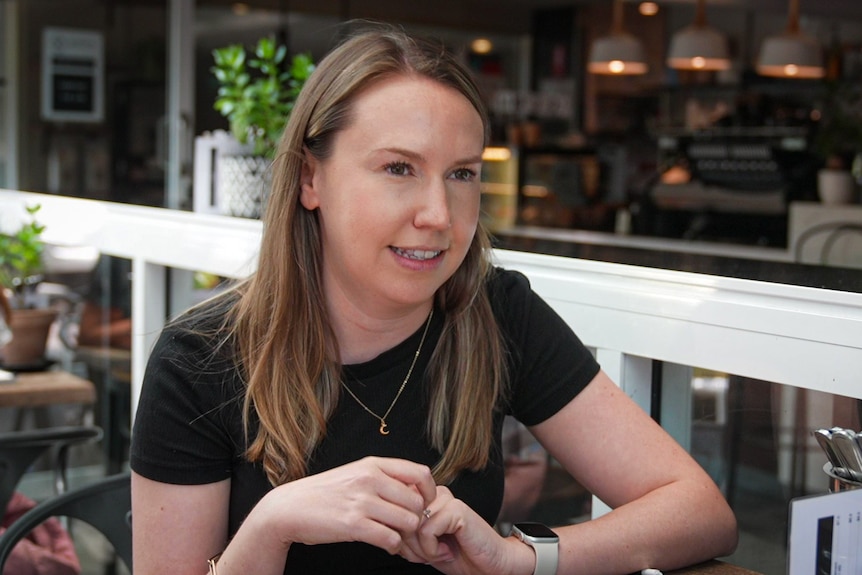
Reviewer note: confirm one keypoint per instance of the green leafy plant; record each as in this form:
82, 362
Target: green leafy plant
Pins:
21, 262
257, 92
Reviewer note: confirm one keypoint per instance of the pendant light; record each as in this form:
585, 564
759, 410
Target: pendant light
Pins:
698, 46
791, 54
619, 53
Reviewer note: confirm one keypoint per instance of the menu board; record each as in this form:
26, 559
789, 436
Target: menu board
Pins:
72, 75
826, 534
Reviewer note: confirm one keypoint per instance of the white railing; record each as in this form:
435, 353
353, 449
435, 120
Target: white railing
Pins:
803, 337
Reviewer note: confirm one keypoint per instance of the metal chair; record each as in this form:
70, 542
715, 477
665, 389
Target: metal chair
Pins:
104, 504
19, 449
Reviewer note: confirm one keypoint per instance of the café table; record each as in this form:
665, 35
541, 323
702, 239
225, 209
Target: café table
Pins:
713, 567
44, 388
36, 391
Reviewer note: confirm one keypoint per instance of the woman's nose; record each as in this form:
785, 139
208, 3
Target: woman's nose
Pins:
434, 210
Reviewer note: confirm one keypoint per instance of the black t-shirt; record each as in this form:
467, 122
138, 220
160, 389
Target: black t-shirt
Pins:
188, 427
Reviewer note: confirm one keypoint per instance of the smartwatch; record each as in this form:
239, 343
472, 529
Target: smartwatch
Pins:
544, 542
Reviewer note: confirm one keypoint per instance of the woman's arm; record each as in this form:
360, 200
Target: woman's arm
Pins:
99, 327
177, 528
667, 513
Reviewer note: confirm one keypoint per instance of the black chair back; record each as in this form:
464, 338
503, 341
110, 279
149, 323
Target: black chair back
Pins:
19, 449
104, 504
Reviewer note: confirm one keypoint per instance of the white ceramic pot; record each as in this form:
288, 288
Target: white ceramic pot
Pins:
242, 181
835, 187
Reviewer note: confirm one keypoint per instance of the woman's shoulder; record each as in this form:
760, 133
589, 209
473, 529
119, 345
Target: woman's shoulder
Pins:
207, 316
507, 287
507, 280
202, 333
521, 313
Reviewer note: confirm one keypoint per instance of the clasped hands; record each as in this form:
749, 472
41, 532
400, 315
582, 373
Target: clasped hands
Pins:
395, 504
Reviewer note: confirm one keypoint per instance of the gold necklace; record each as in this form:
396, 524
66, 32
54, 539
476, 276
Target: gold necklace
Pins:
384, 429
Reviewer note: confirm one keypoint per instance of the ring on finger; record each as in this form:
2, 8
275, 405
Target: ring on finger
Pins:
427, 513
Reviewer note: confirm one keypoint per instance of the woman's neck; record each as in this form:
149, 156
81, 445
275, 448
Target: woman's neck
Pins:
362, 337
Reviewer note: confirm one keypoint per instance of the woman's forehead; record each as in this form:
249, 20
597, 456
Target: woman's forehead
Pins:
423, 120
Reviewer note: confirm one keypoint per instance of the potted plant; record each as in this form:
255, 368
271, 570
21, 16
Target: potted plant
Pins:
838, 143
256, 94
21, 269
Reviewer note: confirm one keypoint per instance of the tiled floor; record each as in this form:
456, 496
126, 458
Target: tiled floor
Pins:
95, 553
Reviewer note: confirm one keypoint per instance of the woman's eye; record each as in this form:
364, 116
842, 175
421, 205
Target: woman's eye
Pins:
464, 174
398, 168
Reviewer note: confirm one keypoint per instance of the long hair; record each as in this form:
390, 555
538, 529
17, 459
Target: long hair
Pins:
286, 347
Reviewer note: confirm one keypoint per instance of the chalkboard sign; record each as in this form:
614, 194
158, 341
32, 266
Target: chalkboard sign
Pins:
72, 75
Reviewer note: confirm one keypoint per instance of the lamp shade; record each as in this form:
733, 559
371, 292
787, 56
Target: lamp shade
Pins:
618, 54
790, 55
698, 47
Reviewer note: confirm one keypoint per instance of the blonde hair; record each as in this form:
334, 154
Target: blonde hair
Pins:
287, 350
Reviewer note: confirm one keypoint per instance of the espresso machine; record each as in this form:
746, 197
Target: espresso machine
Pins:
730, 185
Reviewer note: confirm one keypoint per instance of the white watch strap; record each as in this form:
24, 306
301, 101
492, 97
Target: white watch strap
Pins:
547, 557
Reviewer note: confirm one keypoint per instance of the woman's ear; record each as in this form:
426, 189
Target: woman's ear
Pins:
308, 196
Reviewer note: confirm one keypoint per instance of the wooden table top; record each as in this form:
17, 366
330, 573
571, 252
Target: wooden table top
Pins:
712, 568
43, 388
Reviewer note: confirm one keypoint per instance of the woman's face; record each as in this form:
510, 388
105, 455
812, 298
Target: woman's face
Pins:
398, 198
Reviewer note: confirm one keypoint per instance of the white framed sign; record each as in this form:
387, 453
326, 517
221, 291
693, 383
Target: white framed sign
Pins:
825, 535
73, 75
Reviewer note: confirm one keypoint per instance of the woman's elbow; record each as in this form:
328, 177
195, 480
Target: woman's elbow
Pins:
726, 531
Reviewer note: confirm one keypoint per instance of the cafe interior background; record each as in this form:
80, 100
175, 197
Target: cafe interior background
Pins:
632, 147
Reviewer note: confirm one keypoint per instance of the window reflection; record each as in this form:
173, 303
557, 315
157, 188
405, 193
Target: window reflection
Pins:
754, 438
101, 350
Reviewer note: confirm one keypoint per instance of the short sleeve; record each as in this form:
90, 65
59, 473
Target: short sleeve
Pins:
549, 365
188, 414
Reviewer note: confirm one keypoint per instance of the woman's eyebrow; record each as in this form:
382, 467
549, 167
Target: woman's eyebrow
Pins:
416, 156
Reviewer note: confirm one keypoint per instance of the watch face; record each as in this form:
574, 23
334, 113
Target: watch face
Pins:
536, 530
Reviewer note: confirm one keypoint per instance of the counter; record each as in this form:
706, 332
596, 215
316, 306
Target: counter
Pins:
774, 265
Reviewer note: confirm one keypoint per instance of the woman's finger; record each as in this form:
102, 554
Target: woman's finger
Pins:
409, 473
429, 536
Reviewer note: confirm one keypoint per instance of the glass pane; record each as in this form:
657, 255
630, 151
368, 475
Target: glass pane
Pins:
86, 370
3, 138
102, 351
755, 439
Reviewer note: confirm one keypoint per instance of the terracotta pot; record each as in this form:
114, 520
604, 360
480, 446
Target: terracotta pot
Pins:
30, 329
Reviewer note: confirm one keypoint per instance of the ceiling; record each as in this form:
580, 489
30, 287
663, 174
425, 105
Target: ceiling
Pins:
820, 8
838, 9
513, 16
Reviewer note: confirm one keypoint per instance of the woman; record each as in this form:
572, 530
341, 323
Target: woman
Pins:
340, 411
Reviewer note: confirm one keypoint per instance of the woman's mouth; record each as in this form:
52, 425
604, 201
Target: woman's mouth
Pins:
418, 255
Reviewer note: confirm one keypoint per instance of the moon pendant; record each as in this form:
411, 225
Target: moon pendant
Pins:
383, 429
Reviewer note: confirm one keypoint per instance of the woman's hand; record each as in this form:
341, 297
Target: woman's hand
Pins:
372, 500
454, 539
